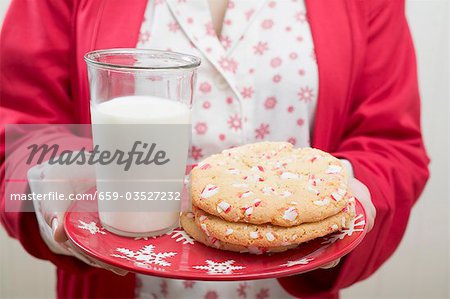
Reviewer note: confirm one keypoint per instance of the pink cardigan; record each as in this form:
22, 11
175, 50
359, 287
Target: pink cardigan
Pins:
368, 112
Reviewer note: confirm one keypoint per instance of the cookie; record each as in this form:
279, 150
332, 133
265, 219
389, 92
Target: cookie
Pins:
187, 221
266, 235
270, 182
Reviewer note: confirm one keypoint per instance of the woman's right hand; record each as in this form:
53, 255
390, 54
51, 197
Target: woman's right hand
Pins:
63, 179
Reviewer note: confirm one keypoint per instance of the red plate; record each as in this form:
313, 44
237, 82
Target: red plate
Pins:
176, 255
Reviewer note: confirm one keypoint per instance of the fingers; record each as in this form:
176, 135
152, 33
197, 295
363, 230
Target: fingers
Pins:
91, 261
331, 265
362, 193
56, 222
59, 234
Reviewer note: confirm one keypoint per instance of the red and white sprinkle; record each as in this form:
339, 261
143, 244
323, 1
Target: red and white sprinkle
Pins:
333, 169
322, 202
270, 237
233, 171
285, 194
248, 211
205, 230
246, 194
288, 175
336, 196
240, 185
209, 190
290, 214
268, 190
254, 235
223, 206
205, 166
257, 168
257, 202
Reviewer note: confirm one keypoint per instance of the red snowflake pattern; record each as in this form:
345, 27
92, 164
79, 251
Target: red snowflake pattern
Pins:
188, 284
292, 140
228, 64
263, 294
276, 78
267, 24
211, 295
226, 42
235, 122
290, 109
270, 102
206, 105
260, 48
209, 27
275, 62
196, 153
300, 122
300, 17
247, 92
205, 87
272, 4
249, 14
306, 94
229, 100
144, 37
222, 137
241, 290
231, 4
262, 131
201, 128
173, 26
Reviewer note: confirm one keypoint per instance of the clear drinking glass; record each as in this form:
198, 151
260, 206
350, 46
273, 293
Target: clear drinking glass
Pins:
140, 102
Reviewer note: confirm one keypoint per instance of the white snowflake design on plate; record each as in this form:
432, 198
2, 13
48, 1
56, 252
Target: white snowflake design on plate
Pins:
213, 267
180, 235
91, 227
302, 261
145, 256
356, 225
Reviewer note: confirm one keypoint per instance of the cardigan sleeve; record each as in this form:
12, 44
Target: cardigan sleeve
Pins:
34, 75
382, 140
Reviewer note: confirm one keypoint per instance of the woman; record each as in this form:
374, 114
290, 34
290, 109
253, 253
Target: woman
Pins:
344, 76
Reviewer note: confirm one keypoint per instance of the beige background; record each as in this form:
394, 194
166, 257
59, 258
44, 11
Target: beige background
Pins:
419, 269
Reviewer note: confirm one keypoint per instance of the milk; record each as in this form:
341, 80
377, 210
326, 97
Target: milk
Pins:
133, 110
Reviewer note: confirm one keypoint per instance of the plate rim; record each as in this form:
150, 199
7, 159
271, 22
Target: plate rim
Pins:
287, 271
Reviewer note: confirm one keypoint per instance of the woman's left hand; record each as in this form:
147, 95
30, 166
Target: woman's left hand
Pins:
362, 194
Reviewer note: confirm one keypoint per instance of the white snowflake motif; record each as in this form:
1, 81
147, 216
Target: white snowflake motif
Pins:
356, 225
145, 256
302, 261
219, 268
142, 238
181, 235
91, 227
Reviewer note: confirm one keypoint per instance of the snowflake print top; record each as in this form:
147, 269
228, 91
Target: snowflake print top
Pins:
257, 81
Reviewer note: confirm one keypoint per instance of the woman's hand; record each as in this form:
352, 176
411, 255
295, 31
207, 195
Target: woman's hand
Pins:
362, 194
64, 179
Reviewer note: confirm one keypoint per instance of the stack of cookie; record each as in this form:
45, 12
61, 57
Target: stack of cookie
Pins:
267, 197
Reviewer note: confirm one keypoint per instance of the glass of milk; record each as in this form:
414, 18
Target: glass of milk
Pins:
141, 124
